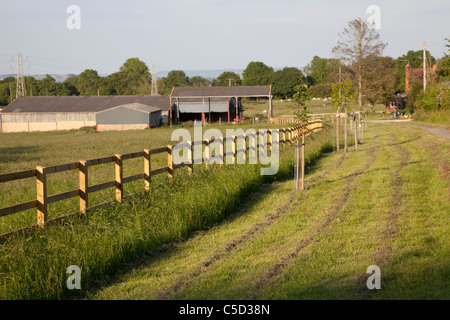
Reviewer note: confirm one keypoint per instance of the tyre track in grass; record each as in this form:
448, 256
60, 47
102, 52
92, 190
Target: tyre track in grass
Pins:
288, 259
269, 219
384, 250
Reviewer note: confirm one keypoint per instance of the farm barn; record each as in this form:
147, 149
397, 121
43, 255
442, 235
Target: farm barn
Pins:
128, 117
74, 112
214, 103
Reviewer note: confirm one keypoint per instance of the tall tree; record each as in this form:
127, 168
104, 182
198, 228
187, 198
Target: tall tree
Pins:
256, 74
381, 79
443, 67
137, 74
176, 78
87, 82
226, 79
319, 69
48, 86
358, 41
285, 82
135, 68
198, 81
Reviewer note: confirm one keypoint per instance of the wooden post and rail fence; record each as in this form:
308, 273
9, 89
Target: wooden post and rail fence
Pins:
43, 199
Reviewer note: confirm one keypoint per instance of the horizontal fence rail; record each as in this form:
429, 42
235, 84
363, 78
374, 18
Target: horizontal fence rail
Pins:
41, 173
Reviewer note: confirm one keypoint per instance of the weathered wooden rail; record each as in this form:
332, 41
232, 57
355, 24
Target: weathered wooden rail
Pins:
43, 199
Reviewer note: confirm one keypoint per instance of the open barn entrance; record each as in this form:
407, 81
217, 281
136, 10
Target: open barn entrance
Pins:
213, 104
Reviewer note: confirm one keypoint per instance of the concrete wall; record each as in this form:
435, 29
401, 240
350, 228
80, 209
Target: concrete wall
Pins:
31, 122
45, 126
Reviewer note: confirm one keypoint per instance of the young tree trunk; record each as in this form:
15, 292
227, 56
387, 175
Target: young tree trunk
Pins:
345, 132
356, 134
337, 133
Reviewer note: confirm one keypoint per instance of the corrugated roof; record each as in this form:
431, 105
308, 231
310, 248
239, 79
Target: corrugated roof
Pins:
141, 107
81, 104
234, 91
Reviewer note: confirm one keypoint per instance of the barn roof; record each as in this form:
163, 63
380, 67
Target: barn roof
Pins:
234, 91
81, 104
136, 106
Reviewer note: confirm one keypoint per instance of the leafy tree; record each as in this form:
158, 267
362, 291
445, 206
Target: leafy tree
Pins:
66, 89
358, 41
176, 78
284, 82
69, 86
436, 97
443, 67
380, 79
162, 87
116, 84
321, 90
32, 86
48, 86
198, 81
87, 82
299, 107
319, 69
227, 78
341, 95
256, 74
135, 68
5, 93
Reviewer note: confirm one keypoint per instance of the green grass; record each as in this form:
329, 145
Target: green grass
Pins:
24, 151
33, 265
386, 204
441, 117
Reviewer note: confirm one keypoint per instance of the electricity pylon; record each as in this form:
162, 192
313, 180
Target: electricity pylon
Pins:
154, 83
21, 91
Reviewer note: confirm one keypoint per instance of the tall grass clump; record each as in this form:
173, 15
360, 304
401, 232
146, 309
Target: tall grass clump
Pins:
33, 265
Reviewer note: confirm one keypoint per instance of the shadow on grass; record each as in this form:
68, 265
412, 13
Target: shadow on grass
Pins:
15, 154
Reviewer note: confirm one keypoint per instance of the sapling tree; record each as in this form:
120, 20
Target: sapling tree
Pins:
341, 95
301, 125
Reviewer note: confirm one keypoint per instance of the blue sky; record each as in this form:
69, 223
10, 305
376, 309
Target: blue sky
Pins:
204, 34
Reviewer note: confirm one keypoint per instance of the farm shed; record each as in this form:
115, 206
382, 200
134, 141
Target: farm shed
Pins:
48, 113
128, 117
214, 103
213, 109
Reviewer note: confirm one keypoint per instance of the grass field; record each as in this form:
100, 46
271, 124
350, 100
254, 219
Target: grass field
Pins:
33, 265
385, 205
230, 233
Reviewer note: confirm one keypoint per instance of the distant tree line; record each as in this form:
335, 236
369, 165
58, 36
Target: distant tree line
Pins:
375, 78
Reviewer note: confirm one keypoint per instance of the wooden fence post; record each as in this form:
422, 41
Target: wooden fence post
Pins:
261, 148
41, 188
147, 169
244, 149
221, 147
170, 163
303, 161
207, 153
269, 139
84, 182
191, 165
119, 177
234, 149
283, 139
